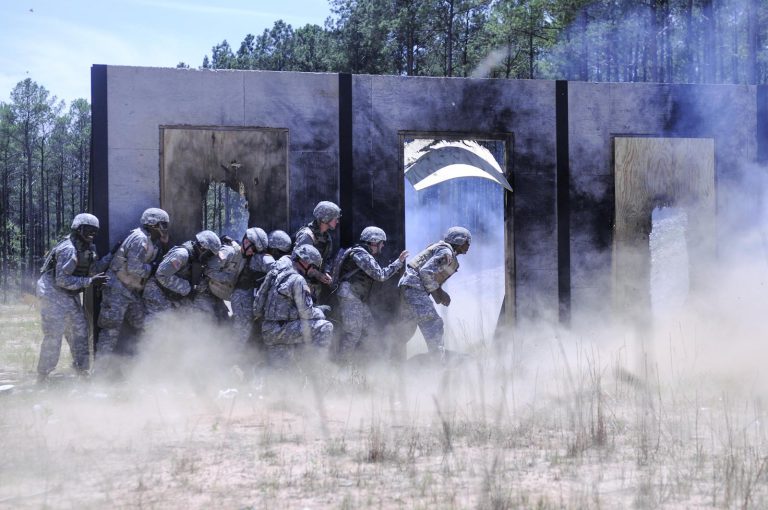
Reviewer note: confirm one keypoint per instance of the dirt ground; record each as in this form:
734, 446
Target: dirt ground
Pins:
520, 427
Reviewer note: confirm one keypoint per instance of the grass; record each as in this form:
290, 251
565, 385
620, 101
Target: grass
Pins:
581, 430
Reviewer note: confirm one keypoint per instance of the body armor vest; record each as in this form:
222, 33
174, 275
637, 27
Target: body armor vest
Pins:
84, 259
320, 241
359, 281
280, 305
248, 278
237, 265
120, 263
185, 273
419, 260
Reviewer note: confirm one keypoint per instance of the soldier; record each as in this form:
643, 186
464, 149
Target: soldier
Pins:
179, 271
318, 234
359, 269
280, 244
70, 267
254, 266
291, 322
424, 276
218, 281
134, 263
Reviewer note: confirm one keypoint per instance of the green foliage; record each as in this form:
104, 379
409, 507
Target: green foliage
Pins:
44, 162
601, 40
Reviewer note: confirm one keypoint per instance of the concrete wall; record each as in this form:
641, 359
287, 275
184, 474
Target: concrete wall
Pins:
598, 112
345, 140
139, 100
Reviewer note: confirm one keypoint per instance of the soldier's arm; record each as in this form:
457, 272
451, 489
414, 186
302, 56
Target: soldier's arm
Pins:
304, 236
369, 266
302, 297
166, 272
101, 264
137, 253
66, 263
261, 295
429, 271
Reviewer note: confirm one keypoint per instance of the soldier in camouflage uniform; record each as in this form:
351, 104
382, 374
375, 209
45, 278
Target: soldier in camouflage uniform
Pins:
291, 322
254, 266
279, 244
134, 262
359, 269
424, 276
219, 276
179, 271
318, 234
70, 267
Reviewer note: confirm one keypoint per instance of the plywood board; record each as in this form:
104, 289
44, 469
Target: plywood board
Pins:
658, 172
191, 158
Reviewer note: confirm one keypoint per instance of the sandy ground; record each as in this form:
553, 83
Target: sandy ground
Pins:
514, 428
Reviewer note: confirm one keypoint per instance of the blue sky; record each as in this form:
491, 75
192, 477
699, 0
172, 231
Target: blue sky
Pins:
55, 42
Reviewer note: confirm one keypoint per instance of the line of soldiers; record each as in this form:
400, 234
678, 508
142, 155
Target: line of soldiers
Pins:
274, 288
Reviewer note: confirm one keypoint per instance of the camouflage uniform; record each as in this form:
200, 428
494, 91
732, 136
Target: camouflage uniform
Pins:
290, 320
171, 285
218, 282
254, 271
358, 272
423, 275
121, 301
311, 235
66, 273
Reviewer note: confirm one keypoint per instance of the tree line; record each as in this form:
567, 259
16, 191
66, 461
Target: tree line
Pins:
680, 41
44, 162
45, 144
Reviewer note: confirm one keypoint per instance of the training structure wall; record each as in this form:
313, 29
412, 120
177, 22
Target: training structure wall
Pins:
600, 112
131, 104
345, 137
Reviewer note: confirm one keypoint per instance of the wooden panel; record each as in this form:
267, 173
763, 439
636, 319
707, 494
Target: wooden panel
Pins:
656, 172
192, 158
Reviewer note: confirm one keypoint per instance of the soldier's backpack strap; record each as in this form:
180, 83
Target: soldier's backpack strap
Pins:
49, 263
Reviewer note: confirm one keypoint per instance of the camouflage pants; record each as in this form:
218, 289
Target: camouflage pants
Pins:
118, 304
418, 309
61, 315
157, 301
209, 305
356, 318
242, 314
286, 340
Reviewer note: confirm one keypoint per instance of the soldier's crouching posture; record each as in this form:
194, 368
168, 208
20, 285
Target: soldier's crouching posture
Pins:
317, 233
133, 264
424, 276
68, 269
254, 266
180, 270
291, 322
359, 270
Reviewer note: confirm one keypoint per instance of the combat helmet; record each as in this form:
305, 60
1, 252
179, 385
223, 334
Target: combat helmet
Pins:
457, 236
85, 219
373, 235
258, 238
308, 254
208, 241
325, 211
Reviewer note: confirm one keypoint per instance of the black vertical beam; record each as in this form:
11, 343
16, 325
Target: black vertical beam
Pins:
346, 181
98, 196
563, 203
762, 124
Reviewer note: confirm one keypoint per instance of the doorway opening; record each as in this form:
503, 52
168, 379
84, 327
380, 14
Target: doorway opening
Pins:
225, 211
669, 261
460, 182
